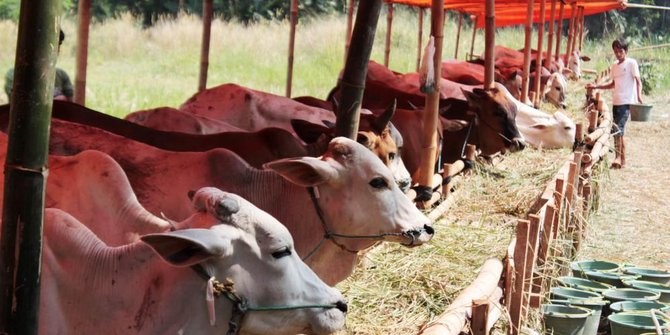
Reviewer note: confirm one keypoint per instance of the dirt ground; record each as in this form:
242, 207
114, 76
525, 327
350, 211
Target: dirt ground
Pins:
632, 224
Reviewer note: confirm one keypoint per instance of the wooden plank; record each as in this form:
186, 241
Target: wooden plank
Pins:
480, 315
516, 298
558, 203
546, 239
531, 259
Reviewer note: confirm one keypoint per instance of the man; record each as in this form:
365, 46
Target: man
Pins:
627, 90
63, 89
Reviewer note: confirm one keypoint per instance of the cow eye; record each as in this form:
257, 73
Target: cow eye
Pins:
379, 182
281, 253
391, 156
567, 128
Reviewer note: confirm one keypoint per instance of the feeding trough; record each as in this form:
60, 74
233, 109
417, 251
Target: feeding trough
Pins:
565, 320
630, 294
637, 306
664, 290
640, 112
659, 276
580, 267
631, 323
611, 278
584, 284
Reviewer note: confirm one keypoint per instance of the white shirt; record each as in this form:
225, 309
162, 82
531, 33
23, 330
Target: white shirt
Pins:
625, 86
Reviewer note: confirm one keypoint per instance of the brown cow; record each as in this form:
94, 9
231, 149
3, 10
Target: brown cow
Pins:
171, 119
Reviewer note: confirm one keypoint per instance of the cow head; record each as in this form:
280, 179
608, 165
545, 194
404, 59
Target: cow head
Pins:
554, 90
557, 131
357, 195
255, 251
575, 64
513, 83
496, 124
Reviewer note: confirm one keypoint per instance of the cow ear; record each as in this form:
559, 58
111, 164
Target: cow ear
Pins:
539, 126
585, 58
307, 131
189, 246
364, 138
304, 171
453, 125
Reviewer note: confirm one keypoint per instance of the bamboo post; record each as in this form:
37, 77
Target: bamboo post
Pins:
571, 32
474, 34
581, 27
569, 193
559, 190
389, 24
538, 58
430, 116
510, 271
204, 51
531, 258
420, 42
550, 37
458, 34
489, 57
546, 239
291, 46
350, 19
356, 68
559, 31
525, 82
84, 15
480, 316
515, 304
26, 166
579, 135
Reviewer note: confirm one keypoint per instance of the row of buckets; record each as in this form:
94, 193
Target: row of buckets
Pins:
606, 298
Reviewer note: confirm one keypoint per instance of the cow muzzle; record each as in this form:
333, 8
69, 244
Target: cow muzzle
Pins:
518, 144
418, 237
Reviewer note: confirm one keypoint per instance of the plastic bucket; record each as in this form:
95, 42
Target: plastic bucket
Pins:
611, 278
579, 267
567, 293
584, 284
640, 112
592, 322
659, 276
565, 320
630, 294
637, 306
664, 290
634, 323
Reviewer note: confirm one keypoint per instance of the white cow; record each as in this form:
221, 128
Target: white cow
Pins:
574, 68
543, 130
151, 287
554, 89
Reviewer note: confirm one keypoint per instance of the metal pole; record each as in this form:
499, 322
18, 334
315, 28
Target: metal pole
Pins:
350, 19
389, 25
458, 34
490, 44
291, 46
559, 31
84, 13
550, 38
525, 82
25, 166
204, 51
420, 43
538, 58
356, 68
474, 34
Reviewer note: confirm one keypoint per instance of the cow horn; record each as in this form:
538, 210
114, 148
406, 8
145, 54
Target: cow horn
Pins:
383, 120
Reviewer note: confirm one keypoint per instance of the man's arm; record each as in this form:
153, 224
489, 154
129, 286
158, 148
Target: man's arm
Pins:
606, 86
638, 82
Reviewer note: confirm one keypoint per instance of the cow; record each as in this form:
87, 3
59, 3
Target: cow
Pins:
256, 148
172, 119
554, 85
354, 202
213, 275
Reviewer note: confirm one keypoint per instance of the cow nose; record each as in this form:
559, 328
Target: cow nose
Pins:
519, 144
404, 184
429, 230
342, 306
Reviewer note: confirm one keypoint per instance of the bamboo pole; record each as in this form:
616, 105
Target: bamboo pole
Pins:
350, 20
525, 82
458, 34
559, 31
356, 68
430, 116
291, 46
665, 45
515, 304
389, 26
474, 34
25, 166
538, 58
546, 240
581, 27
84, 15
550, 37
419, 38
571, 32
489, 57
204, 51
531, 258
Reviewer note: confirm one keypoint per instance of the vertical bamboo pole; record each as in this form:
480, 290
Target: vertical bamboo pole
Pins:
489, 57
356, 68
474, 34
291, 46
550, 37
204, 51
458, 34
538, 58
350, 19
419, 38
84, 14
571, 32
25, 166
575, 32
389, 28
520, 275
581, 27
559, 31
429, 135
525, 82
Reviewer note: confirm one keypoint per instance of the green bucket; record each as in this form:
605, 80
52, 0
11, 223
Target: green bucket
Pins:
584, 284
630, 294
664, 290
611, 278
565, 320
659, 276
579, 267
634, 323
637, 306
640, 112
593, 321
567, 293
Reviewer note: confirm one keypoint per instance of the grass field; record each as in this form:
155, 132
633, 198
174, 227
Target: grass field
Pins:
394, 290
